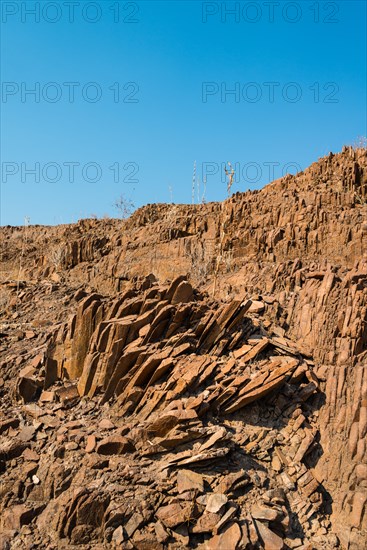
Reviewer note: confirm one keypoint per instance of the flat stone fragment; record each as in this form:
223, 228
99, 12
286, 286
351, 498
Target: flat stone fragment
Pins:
160, 532
227, 540
91, 444
188, 481
261, 386
114, 445
238, 353
264, 513
231, 512
256, 307
270, 540
174, 514
133, 524
27, 433
31, 455
206, 523
215, 502
12, 448
9, 423
47, 396
106, 424
118, 535
163, 425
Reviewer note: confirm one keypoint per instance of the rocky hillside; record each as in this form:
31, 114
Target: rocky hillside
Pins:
191, 377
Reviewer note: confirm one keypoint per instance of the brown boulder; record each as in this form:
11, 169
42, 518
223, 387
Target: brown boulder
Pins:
18, 515
270, 540
183, 293
115, 445
189, 481
229, 539
28, 389
176, 513
163, 425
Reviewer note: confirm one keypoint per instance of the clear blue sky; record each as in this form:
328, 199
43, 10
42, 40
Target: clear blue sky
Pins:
169, 116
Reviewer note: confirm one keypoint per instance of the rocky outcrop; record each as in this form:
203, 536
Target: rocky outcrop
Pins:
297, 249
213, 414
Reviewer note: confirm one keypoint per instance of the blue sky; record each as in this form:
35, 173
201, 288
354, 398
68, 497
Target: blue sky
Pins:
174, 65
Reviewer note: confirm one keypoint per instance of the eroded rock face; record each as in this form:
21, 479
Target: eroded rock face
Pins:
130, 402
198, 418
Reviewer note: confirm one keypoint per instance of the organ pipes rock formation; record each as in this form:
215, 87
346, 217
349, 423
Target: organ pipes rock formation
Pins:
141, 410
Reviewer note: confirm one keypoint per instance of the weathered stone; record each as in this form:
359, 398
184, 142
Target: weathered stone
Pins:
47, 396
243, 350
176, 513
91, 444
232, 482
183, 293
12, 448
162, 425
29, 454
18, 515
133, 524
358, 505
206, 523
28, 389
263, 513
27, 433
298, 246
118, 536
188, 481
216, 502
270, 540
161, 533
230, 513
9, 423
256, 307
106, 424
361, 471
227, 540
114, 445
261, 386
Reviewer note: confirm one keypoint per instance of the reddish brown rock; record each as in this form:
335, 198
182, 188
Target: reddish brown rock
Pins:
189, 481
90, 444
17, 516
264, 514
114, 445
215, 503
206, 523
28, 389
176, 513
183, 293
269, 539
227, 540
141, 349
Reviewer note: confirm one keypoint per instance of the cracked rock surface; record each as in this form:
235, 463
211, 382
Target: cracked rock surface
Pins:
155, 397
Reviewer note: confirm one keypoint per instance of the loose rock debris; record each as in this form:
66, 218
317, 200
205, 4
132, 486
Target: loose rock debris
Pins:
163, 419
